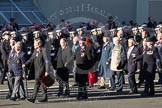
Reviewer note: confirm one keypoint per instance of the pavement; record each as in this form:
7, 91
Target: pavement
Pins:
98, 98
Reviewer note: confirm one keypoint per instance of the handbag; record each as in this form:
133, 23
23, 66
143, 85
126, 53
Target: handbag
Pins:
92, 78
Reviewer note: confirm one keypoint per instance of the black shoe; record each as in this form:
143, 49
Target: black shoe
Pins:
8, 97
66, 94
133, 92
31, 100
119, 92
13, 98
59, 94
79, 98
101, 87
144, 94
42, 100
85, 97
111, 88
22, 98
151, 94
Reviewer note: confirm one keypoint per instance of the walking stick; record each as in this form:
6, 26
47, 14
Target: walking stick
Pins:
26, 83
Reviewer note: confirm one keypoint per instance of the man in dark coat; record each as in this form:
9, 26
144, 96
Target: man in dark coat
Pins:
52, 47
83, 57
5, 50
135, 35
151, 59
131, 65
64, 58
41, 64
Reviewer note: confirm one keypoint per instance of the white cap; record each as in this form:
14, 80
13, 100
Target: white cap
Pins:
111, 30
157, 28
119, 28
50, 33
79, 29
6, 32
58, 31
24, 34
93, 30
13, 32
99, 28
143, 25
71, 32
36, 32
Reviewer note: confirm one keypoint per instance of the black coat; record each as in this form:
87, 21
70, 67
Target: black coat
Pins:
151, 60
83, 63
5, 50
131, 65
64, 60
41, 63
64, 63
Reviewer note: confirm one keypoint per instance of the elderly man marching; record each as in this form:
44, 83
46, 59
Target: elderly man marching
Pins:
151, 62
18, 58
118, 61
132, 66
41, 64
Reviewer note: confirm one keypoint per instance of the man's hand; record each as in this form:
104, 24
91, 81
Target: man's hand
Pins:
46, 74
23, 66
82, 54
107, 63
138, 70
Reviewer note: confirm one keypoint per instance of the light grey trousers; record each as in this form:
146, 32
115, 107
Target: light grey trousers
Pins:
18, 87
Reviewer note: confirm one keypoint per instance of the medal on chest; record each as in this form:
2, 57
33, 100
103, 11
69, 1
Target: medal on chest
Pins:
18, 61
149, 52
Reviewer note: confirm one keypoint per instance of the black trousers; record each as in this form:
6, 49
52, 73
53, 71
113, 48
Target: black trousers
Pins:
82, 89
149, 86
132, 81
160, 78
63, 79
2, 76
141, 77
3, 73
39, 85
